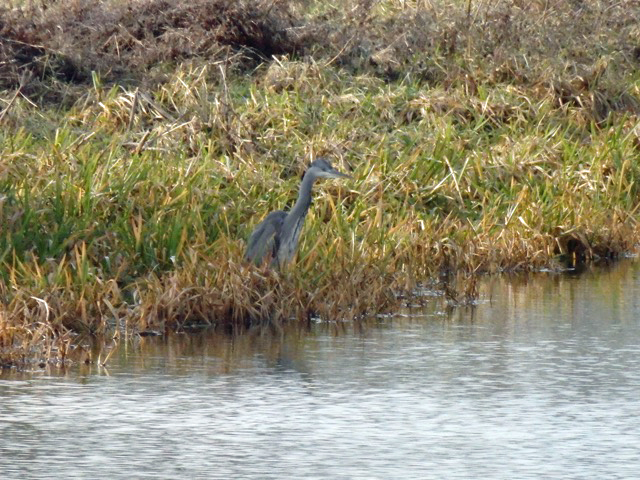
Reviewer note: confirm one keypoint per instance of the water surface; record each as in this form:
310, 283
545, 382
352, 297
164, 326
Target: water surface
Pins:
540, 380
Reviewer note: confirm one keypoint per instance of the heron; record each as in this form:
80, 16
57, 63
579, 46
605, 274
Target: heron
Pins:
276, 237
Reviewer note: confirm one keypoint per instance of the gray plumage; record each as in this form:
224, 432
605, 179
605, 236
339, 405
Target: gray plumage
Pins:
276, 237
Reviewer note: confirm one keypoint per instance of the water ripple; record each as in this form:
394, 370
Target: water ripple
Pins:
544, 390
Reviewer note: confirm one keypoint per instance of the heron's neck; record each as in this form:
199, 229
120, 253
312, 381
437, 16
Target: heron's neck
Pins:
295, 218
304, 196
292, 225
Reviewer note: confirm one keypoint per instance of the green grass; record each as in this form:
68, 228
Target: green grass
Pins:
128, 210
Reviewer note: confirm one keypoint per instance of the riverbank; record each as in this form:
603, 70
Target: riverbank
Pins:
137, 152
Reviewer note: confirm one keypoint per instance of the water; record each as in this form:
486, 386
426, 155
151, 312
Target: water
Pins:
541, 380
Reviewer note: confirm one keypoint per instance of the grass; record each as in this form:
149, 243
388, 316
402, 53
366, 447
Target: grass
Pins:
482, 138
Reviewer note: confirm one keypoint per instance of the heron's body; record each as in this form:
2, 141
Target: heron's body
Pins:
276, 237
264, 242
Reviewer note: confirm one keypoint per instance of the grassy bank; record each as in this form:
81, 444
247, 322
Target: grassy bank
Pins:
137, 151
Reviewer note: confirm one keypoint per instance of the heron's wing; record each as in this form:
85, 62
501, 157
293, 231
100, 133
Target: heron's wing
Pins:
264, 241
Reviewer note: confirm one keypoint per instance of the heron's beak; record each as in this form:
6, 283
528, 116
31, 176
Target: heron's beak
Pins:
336, 174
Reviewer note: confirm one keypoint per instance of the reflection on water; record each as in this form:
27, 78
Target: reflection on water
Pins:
541, 380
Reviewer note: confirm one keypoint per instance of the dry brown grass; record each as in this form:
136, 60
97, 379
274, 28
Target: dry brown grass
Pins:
576, 49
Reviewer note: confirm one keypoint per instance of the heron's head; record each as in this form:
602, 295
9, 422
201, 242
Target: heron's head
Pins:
321, 167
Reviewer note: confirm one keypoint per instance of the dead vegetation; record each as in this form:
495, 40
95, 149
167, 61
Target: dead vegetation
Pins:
43, 49
572, 48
